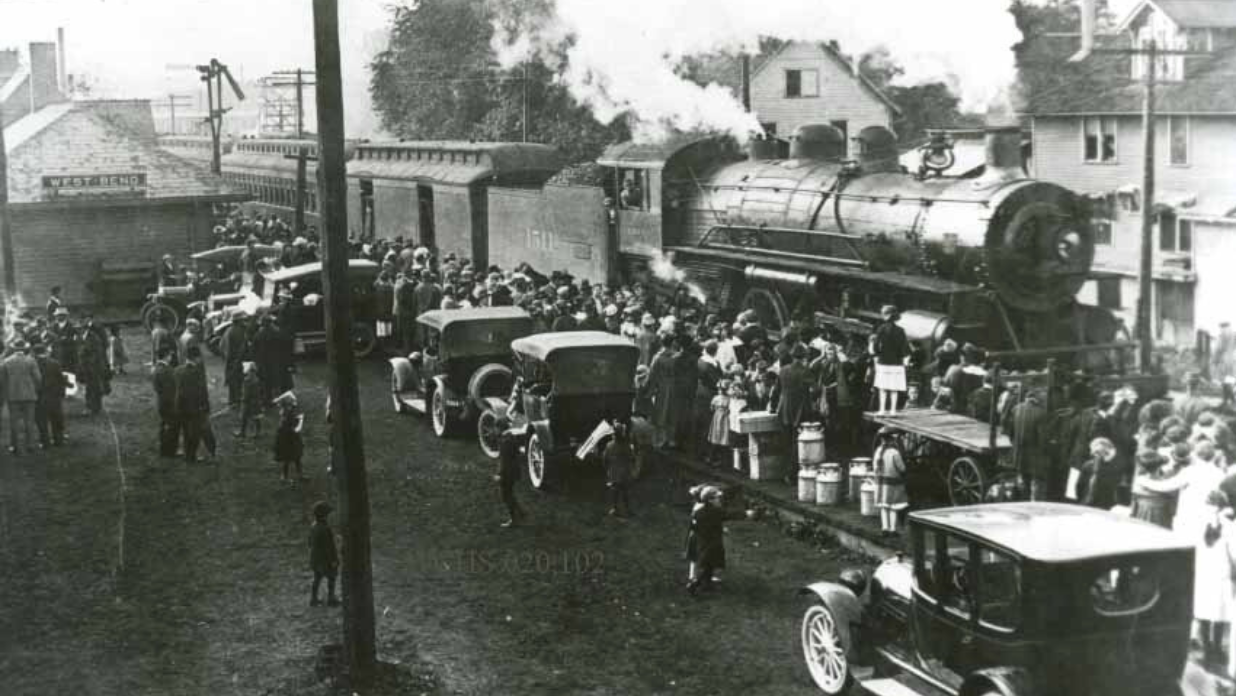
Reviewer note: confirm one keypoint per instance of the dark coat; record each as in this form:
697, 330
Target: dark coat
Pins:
1027, 429
706, 538
164, 382
323, 556
686, 379
192, 397
619, 460
793, 394
566, 322
54, 383
661, 386
426, 297
1097, 483
162, 340
92, 358
980, 403
891, 345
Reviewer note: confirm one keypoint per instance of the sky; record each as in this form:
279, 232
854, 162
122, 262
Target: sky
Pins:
127, 45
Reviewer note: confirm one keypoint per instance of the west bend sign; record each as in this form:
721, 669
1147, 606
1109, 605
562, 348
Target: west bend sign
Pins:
91, 185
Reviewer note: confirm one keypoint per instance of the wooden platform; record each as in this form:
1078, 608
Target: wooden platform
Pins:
960, 431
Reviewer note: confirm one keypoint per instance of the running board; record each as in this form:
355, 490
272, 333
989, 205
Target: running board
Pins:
888, 687
911, 670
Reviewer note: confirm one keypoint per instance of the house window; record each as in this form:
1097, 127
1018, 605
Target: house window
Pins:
1175, 235
1102, 231
1099, 139
1178, 133
1109, 293
802, 83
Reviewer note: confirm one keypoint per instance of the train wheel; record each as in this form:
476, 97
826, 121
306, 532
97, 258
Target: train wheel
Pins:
965, 482
770, 307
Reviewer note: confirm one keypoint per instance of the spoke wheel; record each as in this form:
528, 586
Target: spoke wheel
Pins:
489, 434
156, 312
965, 482
363, 340
537, 463
441, 419
823, 651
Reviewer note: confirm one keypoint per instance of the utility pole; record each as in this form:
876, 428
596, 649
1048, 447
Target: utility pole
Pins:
173, 101
525, 102
1145, 277
6, 226
293, 78
212, 74
302, 175
300, 105
358, 619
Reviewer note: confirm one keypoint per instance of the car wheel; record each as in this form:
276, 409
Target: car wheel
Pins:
824, 652
364, 340
158, 311
538, 464
439, 415
489, 433
400, 406
965, 482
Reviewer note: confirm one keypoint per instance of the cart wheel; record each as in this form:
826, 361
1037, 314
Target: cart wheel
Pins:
364, 340
489, 433
157, 311
965, 482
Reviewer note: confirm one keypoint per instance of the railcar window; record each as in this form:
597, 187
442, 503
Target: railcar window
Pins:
1124, 590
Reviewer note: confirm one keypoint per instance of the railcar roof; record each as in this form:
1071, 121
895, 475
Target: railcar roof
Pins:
315, 268
442, 318
541, 346
1054, 532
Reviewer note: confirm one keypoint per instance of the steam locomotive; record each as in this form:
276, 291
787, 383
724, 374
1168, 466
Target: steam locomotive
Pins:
996, 260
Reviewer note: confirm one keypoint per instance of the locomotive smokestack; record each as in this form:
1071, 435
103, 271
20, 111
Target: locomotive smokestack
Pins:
1003, 161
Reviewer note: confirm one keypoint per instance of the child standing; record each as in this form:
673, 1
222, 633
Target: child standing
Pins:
323, 556
250, 400
288, 444
890, 471
719, 426
737, 406
706, 536
117, 357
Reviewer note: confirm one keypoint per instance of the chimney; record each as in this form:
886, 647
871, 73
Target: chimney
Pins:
1088, 14
746, 82
61, 80
1003, 160
43, 76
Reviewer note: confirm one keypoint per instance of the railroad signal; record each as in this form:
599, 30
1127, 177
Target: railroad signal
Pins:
212, 74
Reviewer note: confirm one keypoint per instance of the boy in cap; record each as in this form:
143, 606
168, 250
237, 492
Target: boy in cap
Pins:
323, 556
289, 447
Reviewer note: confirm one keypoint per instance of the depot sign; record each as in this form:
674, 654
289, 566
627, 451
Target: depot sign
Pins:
91, 185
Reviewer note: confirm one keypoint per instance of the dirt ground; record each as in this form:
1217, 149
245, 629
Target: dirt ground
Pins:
121, 573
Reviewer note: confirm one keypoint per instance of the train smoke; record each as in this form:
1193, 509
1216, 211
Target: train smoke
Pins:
620, 56
662, 266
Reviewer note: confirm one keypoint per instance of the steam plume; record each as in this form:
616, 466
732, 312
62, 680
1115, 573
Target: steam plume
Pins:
662, 266
622, 54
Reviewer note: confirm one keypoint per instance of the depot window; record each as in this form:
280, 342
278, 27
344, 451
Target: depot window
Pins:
1099, 139
802, 83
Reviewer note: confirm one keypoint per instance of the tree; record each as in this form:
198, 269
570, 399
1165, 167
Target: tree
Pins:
1042, 57
439, 79
923, 106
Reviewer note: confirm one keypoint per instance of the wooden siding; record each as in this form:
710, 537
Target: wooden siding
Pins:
842, 96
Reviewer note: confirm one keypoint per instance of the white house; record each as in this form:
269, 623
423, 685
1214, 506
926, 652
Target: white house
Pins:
1088, 136
809, 82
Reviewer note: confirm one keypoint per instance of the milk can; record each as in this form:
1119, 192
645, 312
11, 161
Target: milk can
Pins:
860, 467
828, 485
867, 496
806, 484
810, 444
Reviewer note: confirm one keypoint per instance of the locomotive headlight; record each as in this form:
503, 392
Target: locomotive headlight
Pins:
1067, 245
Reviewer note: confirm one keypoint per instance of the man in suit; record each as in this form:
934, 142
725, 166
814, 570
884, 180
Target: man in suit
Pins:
661, 386
266, 348
164, 381
406, 310
161, 339
1027, 428
54, 302
235, 347
49, 409
92, 369
22, 383
793, 397
426, 296
193, 405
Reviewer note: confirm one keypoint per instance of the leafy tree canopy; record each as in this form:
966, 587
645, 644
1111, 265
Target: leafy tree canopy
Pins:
439, 79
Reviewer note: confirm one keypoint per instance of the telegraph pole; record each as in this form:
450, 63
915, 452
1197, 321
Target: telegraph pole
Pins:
6, 225
358, 620
1145, 278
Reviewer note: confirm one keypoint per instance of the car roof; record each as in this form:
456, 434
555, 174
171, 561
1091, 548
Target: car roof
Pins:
1054, 532
315, 268
442, 318
541, 346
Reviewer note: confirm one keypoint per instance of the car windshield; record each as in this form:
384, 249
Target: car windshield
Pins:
482, 337
594, 371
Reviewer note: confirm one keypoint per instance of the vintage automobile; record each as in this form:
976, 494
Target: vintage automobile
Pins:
298, 293
1012, 599
467, 359
205, 288
571, 384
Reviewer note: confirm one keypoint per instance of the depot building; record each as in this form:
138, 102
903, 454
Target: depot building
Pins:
94, 202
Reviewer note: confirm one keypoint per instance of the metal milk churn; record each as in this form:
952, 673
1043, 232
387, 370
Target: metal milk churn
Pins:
867, 496
806, 484
860, 467
810, 444
828, 484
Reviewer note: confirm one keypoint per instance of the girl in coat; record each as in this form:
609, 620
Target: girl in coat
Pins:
706, 536
1149, 504
719, 424
890, 471
289, 447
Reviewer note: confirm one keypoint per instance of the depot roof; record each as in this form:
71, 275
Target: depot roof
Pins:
81, 142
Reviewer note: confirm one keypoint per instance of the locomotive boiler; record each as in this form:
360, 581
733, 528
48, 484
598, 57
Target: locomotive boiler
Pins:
996, 260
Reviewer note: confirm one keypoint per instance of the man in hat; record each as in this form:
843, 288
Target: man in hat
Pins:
235, 348
22, 382
54, 302
793, 397
406, 310
266, 353
509, 472
92, 370
248, 263
193, 405
163, 379
1027, 428
65, 339
49, 409
323, 555
647, 341
965, 377
161, 340
426, 296
565, 321
661, 381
